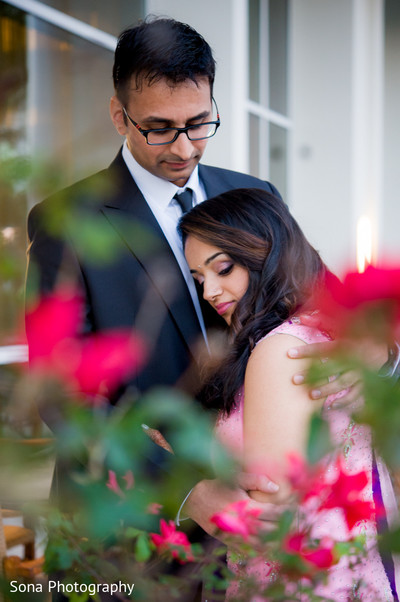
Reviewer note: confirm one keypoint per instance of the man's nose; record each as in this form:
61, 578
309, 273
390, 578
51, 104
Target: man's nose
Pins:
182, 146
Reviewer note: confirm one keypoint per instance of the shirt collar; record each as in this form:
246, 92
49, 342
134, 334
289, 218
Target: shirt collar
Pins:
153, 187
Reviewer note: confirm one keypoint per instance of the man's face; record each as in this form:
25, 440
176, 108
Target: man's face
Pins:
162, 105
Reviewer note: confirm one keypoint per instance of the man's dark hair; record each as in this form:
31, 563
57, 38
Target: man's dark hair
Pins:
161, 49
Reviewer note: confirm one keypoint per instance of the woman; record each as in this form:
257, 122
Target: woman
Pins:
258, 272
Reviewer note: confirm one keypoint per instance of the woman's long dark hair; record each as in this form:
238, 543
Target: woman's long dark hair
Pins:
256, 229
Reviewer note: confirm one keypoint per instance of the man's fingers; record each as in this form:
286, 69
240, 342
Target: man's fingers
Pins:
353, 394
256, 482
312, 350
335, 385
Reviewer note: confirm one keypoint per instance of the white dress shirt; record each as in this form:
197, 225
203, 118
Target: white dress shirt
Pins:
159, 195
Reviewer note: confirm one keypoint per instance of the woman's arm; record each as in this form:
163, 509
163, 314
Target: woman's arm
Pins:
276, 413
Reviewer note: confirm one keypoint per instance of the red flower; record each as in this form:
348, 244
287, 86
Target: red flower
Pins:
238, 518
320, 556
308, 481
345, 493
93, 365
376, 288
54, 320
105, 360
172, 541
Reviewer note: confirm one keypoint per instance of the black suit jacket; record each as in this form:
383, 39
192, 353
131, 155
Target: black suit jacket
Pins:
140, 283
137, 283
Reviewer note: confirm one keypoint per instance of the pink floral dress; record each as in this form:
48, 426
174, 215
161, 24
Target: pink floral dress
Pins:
368, 580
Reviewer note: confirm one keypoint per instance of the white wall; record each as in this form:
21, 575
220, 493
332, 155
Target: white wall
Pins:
223, 25
337, 57
336, 69
321, 102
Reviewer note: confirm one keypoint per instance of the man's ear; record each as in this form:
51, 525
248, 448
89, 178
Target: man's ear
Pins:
117, 116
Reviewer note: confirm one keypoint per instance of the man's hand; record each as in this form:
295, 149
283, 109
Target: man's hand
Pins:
211, 496
348, 383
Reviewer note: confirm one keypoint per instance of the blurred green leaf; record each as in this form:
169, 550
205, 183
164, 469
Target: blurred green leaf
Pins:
143, 550
319, 440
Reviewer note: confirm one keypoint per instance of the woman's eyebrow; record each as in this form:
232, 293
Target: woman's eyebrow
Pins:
207, 261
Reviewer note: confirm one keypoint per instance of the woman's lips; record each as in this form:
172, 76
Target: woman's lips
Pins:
222, 307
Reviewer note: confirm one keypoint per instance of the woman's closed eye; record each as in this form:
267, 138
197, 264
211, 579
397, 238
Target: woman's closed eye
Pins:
226, 270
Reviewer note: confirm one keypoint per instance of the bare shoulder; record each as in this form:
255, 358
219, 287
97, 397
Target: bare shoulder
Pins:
271, 352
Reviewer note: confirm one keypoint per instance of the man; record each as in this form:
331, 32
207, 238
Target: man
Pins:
164, 107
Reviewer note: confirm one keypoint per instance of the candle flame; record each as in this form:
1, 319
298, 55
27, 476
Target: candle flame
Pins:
364, 243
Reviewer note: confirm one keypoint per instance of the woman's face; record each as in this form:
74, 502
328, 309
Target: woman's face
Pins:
224, 282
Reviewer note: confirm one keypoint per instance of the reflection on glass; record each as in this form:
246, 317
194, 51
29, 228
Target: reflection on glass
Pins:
69, 89
13, 102
54, 95
110, 16
278, 144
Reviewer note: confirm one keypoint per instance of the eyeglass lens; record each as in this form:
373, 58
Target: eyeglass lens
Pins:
194, 132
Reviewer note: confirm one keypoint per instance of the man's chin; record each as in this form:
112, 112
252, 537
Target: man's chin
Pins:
179, 178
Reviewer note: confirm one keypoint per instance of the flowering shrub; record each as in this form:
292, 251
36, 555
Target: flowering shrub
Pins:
122, 530
296, 557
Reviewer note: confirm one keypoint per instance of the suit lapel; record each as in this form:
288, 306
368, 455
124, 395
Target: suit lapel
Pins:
213, 184
130, 215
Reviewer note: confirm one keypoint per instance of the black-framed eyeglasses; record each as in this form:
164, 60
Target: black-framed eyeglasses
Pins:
159, 136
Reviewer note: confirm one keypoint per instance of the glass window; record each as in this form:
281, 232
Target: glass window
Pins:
110, 16
268, 90
278, 50
54, 95
13, 132
278, 152
254, 140
68, 94
268, 53
254, 50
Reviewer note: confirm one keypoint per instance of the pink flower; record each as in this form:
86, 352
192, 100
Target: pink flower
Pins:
105, 360
173, 542
113, 484
54, 320
308, 481
93, 365
345, 493
238, 518
319, 555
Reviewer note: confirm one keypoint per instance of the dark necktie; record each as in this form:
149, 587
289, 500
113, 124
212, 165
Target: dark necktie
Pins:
185, 200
